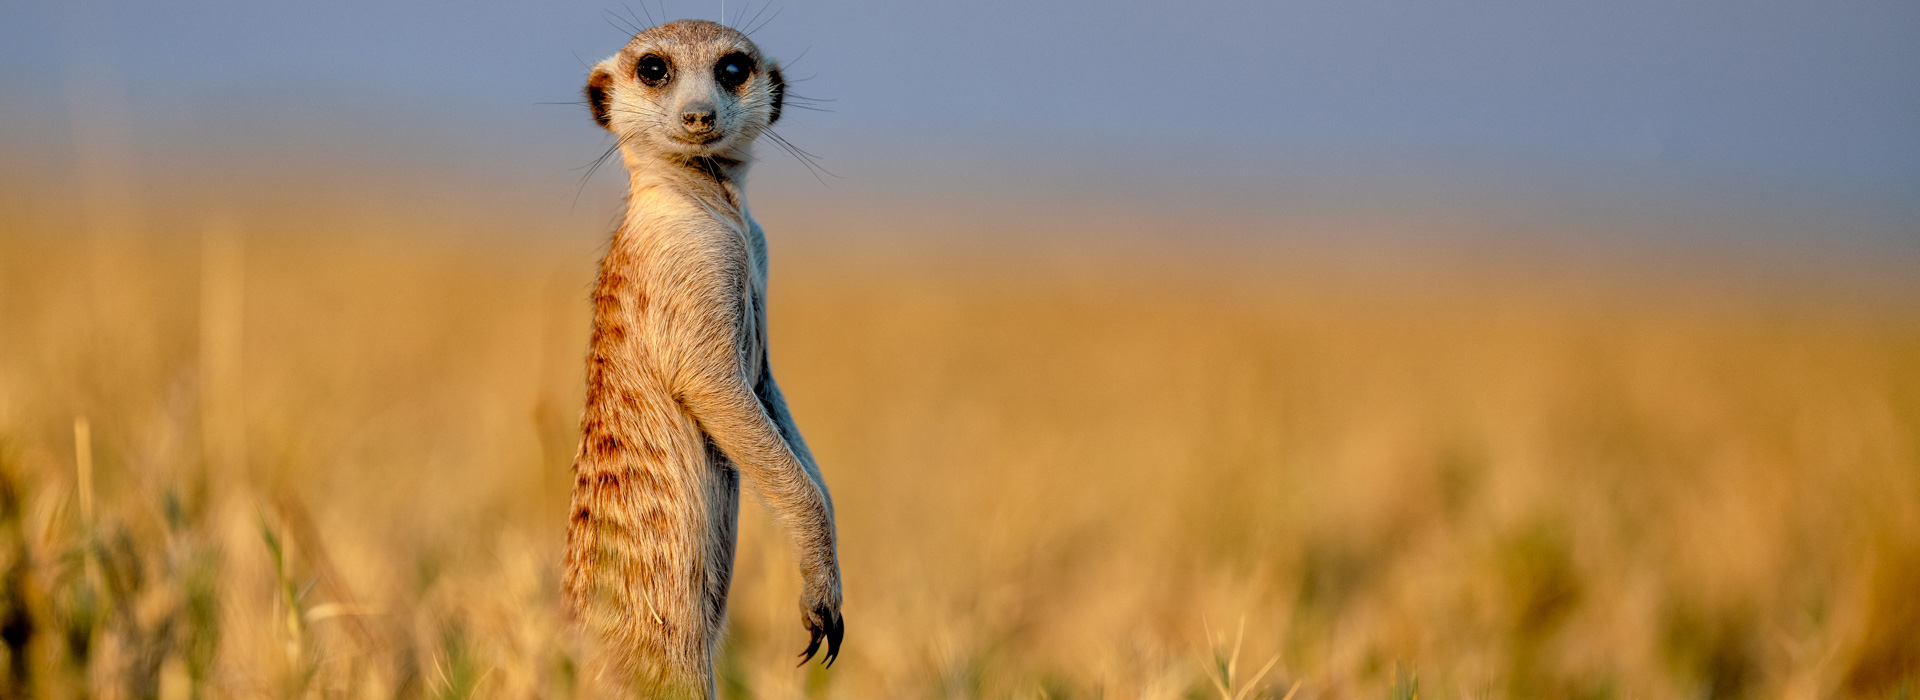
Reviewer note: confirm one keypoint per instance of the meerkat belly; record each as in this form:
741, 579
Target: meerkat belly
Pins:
652, 500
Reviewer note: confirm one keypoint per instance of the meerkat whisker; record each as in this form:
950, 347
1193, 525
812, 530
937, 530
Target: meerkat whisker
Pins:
651, 22
798, 157
615, 21
763, 25
592, 168
805, 158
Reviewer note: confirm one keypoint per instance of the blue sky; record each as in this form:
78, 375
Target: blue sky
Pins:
1774, 96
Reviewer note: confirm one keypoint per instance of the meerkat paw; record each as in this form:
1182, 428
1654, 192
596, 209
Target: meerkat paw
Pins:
823, 621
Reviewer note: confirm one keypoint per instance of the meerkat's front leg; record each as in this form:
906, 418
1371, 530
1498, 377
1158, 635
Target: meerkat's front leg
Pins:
817, 621
720, 397
776, 406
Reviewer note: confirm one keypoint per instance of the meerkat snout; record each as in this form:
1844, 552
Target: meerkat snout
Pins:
697, 119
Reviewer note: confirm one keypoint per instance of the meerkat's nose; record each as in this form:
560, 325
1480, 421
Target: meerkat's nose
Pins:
697, 121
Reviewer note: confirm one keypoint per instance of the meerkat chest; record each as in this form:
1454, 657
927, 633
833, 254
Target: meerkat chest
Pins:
691, 260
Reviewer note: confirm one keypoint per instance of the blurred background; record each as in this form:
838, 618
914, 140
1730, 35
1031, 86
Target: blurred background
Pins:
1310, 350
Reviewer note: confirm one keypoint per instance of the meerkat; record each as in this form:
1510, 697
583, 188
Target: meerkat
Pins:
680, 402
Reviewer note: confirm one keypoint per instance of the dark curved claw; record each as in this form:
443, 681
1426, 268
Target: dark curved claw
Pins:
832, 630
812, 646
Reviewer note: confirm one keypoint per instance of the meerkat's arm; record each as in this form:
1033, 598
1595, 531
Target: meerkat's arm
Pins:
769, 390
734, 418
776, 405
764, 447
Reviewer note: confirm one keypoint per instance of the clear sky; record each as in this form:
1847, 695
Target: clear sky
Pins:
1775, 96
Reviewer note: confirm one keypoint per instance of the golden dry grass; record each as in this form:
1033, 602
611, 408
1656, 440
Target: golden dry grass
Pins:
335, 466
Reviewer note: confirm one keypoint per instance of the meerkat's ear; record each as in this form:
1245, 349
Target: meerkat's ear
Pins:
779, 90
600, 94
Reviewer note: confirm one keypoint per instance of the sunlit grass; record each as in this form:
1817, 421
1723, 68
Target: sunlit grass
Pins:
337, 466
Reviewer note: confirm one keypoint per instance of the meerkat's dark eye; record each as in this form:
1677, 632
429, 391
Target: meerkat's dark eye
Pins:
652, 70
732, 70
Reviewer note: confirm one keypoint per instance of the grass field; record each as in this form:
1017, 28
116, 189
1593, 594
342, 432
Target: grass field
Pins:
237, 462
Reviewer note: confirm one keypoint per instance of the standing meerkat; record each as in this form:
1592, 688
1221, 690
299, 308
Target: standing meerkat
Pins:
680, 400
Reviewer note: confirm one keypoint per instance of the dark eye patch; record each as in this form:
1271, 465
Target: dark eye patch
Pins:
732, 70
652, 70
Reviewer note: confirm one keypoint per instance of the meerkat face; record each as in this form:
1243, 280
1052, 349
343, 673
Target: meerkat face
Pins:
687, 89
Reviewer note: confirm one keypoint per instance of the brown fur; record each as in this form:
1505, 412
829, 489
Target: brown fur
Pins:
680, 399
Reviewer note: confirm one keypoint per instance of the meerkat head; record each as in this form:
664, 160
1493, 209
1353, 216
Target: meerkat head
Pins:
687, 89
